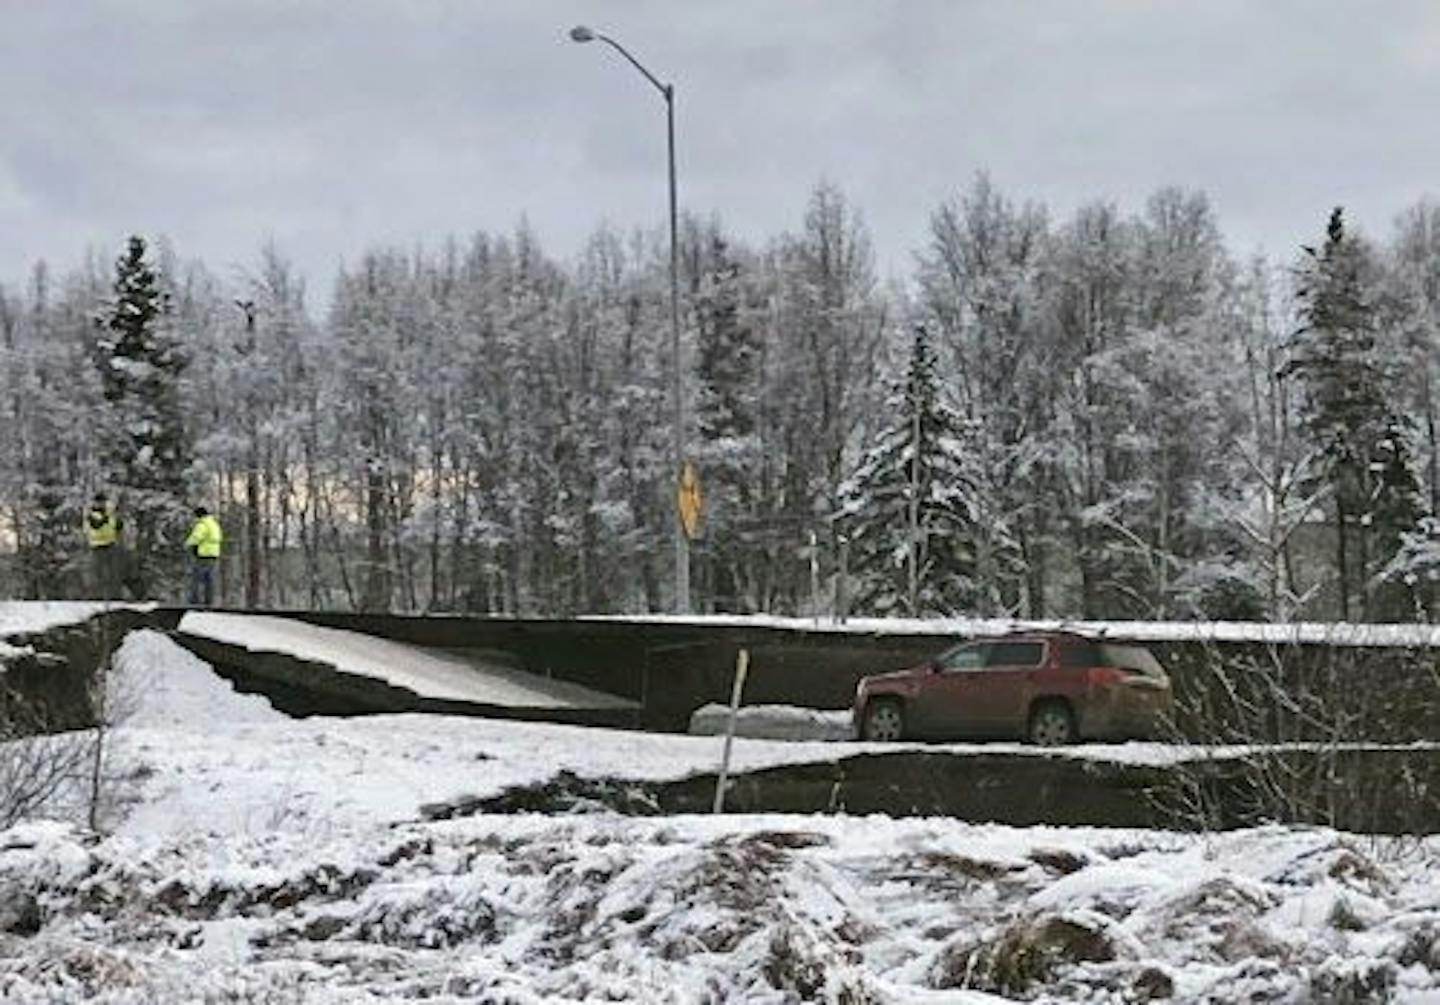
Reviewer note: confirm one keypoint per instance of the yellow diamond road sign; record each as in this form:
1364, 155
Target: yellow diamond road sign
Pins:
689, 500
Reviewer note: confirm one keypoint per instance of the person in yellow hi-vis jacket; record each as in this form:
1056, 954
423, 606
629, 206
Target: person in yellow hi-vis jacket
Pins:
102, 534
203, 544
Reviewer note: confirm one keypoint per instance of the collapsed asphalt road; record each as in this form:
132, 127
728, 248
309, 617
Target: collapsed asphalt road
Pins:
1360, 787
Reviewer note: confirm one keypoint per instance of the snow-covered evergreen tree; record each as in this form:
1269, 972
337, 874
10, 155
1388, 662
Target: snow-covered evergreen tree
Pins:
1361, 440
145, 443
1416, 566
910, 507
728, 349
727, 412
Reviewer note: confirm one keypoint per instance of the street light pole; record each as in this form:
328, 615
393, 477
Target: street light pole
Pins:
252, 472
677, 434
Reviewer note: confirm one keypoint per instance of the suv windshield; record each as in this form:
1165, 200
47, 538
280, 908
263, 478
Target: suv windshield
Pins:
967, 656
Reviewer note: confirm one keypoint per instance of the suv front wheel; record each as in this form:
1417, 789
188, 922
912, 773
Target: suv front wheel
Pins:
884, 721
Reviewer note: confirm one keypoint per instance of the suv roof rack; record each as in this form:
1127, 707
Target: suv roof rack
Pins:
1064, 629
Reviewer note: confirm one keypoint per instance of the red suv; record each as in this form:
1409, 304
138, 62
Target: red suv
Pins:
1046, 687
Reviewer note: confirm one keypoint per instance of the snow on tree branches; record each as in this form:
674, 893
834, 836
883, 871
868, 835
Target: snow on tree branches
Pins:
910, 507
144, 443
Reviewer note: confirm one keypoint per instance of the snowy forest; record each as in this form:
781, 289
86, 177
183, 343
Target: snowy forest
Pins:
1105, 415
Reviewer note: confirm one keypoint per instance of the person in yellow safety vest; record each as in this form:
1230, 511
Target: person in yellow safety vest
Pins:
204, 547
102, 533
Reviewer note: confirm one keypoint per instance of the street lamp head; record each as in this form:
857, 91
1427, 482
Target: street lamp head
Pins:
580, 33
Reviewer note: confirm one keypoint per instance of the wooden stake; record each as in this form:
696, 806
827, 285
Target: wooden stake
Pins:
742, 663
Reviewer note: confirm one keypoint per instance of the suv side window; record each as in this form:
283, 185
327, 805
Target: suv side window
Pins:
1015, 654
1080, 654
970, 656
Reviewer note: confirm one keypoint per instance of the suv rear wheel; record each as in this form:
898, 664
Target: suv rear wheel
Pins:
1052, 724
884, 721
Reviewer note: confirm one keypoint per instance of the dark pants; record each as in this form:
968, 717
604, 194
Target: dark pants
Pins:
202, 581
107, 565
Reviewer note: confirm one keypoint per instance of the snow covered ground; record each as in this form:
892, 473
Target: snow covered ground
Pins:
254, 858
426, 672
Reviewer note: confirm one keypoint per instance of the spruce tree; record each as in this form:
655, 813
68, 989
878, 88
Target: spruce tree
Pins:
917, 476
727, 410
728, 351
1359, 440
145, 447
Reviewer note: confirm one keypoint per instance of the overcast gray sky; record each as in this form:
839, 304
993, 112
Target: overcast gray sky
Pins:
331, 127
